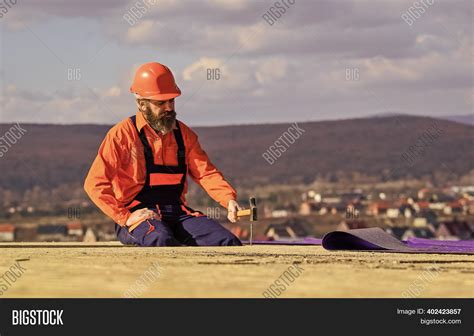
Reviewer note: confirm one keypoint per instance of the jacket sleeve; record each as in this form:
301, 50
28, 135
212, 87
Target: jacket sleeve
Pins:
98, 183
204, 173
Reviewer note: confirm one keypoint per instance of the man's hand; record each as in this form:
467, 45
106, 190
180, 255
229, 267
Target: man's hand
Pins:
232, 209
139, 216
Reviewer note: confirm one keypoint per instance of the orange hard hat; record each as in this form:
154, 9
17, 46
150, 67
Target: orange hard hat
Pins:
154, 81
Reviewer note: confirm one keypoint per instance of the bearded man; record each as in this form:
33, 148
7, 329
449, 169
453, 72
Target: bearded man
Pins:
139, 175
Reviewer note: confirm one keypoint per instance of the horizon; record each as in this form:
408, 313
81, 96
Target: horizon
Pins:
380, 115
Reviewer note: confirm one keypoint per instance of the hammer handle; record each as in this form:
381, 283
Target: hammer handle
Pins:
245, 212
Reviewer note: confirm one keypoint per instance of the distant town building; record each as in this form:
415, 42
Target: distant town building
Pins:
397, 232
353, 197
277, 232
332, 199
89, 236
454, 230
51, 232
75, 229
420, 222
470, 207
7, 232
453, 208
351, 225
422, 193
106, 236
404, 233
429, 215
307, 208
393, 212
418, 233
379, 208
26, 233
338, 208
407, 210
421, 205
278, 213
285, 231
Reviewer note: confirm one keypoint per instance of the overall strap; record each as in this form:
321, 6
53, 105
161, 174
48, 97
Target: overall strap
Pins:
147, 148
181, 149
147, 151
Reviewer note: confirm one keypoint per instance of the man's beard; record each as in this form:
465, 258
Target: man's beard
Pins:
162, 123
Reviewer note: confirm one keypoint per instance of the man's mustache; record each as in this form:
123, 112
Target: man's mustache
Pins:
169, 114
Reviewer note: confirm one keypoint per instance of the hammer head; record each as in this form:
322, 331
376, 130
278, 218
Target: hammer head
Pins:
253, 209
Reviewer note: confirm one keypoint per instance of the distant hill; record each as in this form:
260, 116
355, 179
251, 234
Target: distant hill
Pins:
467, 119
52, 155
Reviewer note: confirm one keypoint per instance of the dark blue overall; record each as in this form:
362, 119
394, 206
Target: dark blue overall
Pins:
177, 224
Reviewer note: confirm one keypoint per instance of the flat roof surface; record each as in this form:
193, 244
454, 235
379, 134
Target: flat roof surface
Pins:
56, 270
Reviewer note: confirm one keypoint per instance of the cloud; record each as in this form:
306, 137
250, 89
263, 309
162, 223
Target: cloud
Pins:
380, 68
67, 105
142, 32
114, 91
200, 68
271, 70
231, 4
422, 68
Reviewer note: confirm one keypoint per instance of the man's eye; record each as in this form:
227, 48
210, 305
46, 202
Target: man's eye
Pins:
161, 102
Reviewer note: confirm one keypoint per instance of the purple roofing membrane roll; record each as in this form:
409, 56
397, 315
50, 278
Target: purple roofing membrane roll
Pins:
362, 239
376, 239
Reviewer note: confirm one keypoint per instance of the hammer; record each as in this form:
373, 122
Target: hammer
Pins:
252, 212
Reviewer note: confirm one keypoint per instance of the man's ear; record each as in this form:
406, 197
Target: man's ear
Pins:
141, 104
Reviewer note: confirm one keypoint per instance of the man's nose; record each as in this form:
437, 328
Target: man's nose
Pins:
168, 106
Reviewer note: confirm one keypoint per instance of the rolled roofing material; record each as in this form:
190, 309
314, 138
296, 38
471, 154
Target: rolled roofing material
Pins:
377, 240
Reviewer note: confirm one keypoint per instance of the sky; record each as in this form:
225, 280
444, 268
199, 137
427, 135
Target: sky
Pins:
65, 61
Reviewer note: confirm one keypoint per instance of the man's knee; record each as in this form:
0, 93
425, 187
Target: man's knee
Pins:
160, 239
149, 234
231, 240
223, 237
215, 234
158, 236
